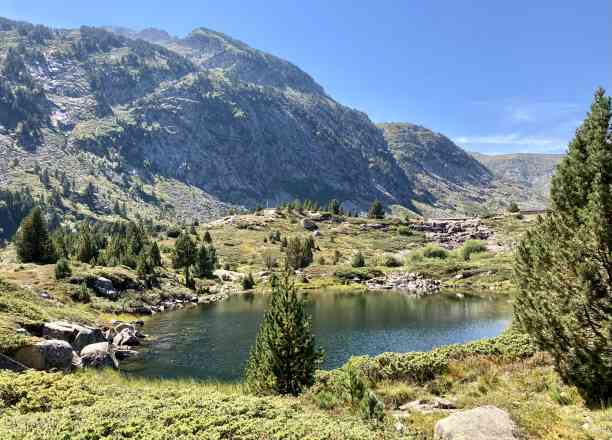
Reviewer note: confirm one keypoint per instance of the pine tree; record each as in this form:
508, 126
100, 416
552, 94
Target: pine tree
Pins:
184, 255
564, 263
206, 261
284, 358
155, 255
32, 241
87, 250
207, 238
376, 210
334, 207
299, 253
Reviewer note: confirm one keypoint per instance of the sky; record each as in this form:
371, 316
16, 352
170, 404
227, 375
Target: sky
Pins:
494, 76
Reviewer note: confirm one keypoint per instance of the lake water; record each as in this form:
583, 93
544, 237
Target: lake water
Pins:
213, 341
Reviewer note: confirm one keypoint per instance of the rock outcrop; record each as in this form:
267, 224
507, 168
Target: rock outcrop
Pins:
483, 423
408, 282
453, 233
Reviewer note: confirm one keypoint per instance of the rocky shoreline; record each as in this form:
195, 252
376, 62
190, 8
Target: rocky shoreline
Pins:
407, 282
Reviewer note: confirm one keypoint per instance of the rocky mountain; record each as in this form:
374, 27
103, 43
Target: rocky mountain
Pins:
106, 121
529, 169
181, 124
449, 180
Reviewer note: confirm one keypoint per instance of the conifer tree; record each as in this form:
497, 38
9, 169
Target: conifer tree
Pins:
207, 238
155, 255
33, 243
376, 210
206, 261
184, 254
284, 358
334, 207
564, 263
86, 246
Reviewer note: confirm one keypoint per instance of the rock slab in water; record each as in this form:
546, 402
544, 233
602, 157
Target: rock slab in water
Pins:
47, 355
483, 423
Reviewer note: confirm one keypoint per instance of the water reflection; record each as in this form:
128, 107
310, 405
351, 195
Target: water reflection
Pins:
212, 341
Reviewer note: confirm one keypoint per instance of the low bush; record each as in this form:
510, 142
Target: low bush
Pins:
247, 281
435, 251
358, 260
404, 230
62, 269
421, 367
472, 247
389, 261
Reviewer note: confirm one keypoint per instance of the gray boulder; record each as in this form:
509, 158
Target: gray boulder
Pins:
104, 287
483, 423
309, 225
53, 354
127, 337
6, 363
98, 355
77, 335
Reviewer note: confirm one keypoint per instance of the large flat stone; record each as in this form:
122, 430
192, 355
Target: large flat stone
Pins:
483, 423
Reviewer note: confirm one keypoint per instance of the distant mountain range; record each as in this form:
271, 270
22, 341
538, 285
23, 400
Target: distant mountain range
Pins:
184, 128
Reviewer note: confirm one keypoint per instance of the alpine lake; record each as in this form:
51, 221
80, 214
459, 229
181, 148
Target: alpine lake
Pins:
212, 341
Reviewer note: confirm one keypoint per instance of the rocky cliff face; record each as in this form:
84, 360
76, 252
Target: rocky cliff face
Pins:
532, 170
206, 114
449, 180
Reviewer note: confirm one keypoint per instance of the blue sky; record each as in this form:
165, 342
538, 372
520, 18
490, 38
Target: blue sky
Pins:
494, 76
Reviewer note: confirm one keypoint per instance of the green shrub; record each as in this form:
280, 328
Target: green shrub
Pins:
435, 251
421, 367
404, 230
62, 269
372, 408
247, 281
389, 261
472, 247
81, 294
358, 260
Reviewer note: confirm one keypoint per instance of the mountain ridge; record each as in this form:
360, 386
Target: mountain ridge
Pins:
189, 127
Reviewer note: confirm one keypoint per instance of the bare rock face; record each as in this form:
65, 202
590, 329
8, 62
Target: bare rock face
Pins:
483, 423
53, 354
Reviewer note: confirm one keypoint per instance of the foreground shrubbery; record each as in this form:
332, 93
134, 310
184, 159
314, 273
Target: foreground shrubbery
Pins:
49, 406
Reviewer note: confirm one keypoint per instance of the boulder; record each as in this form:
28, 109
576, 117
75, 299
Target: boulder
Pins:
53, 354
309, 225
483, 423
6, 363
98, 355
126, 337
428, 405
104, 287
87, 336
58, 330
77, 335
